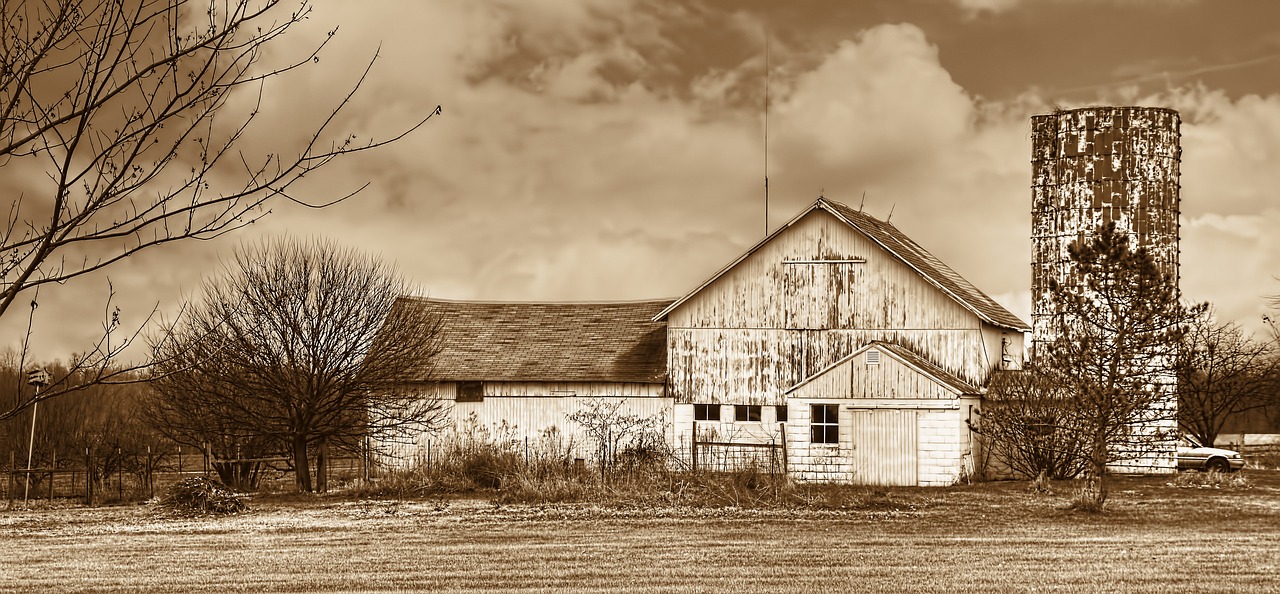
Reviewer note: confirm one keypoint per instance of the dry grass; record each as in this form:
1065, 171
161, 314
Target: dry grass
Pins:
1000, 537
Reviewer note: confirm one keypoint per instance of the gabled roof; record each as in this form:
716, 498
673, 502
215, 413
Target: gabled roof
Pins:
907, 357
899, 245
547, 342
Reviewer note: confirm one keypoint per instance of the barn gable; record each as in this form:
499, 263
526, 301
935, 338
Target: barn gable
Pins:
890, 239
880, 371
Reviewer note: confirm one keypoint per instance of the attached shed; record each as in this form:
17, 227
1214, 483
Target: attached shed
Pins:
516, 370
883, 415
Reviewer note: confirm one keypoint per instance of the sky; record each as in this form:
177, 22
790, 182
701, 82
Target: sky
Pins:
614, 149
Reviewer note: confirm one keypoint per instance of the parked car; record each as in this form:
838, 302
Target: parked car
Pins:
1193, 456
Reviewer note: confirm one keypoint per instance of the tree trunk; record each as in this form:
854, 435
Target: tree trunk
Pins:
301, 467
1097, 496
322, 466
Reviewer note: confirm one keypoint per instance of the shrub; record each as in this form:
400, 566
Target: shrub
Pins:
202, 495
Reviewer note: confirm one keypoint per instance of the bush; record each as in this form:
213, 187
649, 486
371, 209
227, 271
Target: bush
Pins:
203, 496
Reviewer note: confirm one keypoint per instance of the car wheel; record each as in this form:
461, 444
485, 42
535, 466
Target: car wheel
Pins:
1218, 464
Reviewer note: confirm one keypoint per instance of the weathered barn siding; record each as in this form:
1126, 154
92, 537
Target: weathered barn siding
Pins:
524, 411
755, 366
780, 316
783, 285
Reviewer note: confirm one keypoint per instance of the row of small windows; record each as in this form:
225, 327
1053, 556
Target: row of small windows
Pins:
742, 413
824, 419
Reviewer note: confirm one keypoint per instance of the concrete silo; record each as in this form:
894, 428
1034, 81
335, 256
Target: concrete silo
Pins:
1094, 165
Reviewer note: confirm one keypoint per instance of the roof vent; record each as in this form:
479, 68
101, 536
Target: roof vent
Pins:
873, 357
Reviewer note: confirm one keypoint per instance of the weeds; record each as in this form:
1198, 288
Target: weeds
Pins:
1211, 480
201, 495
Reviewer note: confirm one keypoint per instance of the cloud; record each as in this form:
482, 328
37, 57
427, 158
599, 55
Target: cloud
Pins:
977, 7
569, 163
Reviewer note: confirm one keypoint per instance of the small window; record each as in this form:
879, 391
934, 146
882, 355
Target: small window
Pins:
780, 412
873, 357
824, 425
746, 413
706, 412
470, 392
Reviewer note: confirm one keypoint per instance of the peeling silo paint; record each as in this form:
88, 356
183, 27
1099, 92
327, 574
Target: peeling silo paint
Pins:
1094, 165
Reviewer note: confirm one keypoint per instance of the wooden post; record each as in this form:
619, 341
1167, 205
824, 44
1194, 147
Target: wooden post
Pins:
785, 473
179, 462
53, 467
88, 476
10, 484
693, 448
119, 474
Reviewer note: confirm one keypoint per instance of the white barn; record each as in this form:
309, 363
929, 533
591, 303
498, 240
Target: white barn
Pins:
837, 338
872, 350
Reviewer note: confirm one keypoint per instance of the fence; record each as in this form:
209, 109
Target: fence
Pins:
145, 475
731, 456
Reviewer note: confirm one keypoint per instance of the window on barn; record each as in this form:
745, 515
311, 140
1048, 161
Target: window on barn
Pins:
746, 413
824, 424
706, 412
470, 392
780, 413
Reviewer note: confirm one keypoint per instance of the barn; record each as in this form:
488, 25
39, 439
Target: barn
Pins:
517, 370
840, 337
836, 341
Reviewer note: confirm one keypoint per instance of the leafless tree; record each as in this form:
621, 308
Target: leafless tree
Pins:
1221, 371
1111, 360
124, 107
1030, 427
300, 343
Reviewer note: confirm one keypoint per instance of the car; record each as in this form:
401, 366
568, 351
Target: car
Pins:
1193, 456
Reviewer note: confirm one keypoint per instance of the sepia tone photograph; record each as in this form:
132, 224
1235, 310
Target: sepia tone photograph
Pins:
326, 296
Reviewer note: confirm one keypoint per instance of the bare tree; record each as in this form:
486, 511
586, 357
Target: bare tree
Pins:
300, 343
1111, 359
1221, 372
1030, 427
124, 108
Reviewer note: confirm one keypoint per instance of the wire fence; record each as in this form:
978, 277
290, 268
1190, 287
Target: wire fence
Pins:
145, 476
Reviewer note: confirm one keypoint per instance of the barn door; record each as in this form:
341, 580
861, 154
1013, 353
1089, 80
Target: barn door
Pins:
884, 447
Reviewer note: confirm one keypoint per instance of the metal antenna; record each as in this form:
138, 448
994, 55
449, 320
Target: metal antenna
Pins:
895, 205
864, 201
766, 132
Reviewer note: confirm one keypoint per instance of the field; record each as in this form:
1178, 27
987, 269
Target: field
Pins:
1159, 536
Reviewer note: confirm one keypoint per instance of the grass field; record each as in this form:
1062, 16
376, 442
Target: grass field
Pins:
994, 537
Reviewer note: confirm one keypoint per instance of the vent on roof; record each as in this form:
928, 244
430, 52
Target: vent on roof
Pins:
873, 357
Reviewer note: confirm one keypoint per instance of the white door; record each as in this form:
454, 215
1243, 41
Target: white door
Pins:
884, 447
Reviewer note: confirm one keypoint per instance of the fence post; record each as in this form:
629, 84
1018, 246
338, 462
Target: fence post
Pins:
693, 448
53, 466
119, 474
89, 475
785, 473
10, 483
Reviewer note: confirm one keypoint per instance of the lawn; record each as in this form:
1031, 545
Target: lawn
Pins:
994, 537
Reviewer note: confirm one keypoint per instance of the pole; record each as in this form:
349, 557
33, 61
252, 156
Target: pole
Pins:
31, 444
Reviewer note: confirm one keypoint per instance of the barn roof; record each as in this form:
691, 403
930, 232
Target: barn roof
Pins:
909, 358
899, 245
547, 342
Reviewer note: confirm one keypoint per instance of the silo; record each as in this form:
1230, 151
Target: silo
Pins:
1094, 165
